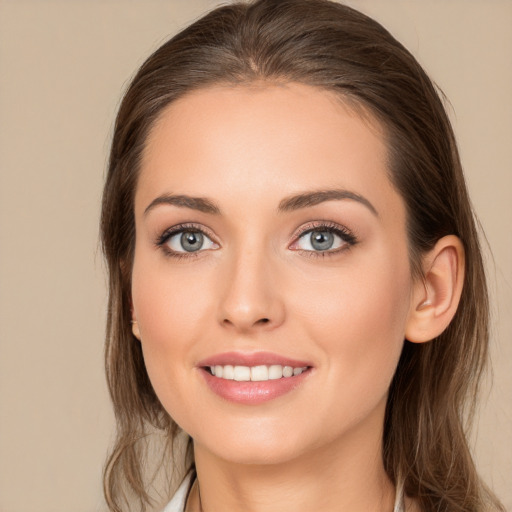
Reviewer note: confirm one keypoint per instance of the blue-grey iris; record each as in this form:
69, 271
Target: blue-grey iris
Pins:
191, 241
321, 240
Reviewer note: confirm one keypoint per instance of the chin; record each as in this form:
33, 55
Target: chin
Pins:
256, 446
257, 455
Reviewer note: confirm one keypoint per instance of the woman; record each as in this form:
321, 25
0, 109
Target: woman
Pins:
295, 275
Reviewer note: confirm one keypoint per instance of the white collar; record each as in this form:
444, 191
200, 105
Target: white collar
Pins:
178, 502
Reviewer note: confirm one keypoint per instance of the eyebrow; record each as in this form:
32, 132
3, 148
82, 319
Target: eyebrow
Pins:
308, 199
292, 203
194, 203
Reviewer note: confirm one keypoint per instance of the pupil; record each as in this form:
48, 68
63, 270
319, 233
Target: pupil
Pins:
191, 241
322, 240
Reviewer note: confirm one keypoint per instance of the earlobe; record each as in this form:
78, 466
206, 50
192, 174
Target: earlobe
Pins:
135, 325
135, 329
436, 297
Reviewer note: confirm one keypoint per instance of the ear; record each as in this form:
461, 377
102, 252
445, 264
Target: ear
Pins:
135, 329
436, 296
125, 271
135, 325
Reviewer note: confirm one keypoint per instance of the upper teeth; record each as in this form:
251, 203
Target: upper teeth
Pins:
255, 373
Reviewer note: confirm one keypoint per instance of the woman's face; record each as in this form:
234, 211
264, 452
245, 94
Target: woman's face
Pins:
269, 240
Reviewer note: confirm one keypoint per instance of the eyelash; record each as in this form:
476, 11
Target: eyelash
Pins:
180, 228
346, 235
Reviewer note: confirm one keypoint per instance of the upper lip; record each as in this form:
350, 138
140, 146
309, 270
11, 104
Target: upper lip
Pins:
251, 359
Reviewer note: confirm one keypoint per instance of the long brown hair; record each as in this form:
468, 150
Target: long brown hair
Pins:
336, 48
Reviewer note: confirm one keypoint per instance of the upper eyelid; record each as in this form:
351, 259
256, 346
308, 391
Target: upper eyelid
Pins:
179, 228
317, 225
161, 242
347, 236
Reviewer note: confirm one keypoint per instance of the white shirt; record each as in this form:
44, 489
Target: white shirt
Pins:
178, 502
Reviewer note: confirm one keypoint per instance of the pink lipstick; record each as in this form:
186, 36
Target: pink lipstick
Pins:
253, 378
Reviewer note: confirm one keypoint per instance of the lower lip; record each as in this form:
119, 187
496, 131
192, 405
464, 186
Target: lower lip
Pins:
253, 393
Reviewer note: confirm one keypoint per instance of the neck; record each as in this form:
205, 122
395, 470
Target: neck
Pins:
345, 475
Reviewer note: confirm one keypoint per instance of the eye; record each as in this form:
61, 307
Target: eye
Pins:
324, 238
189, 241
319, 241
185, 240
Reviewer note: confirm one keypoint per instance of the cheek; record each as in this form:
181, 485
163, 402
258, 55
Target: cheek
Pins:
167, 303
171, 308
359, 319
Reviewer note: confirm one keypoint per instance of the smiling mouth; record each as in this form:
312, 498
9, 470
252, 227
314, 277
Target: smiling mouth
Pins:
260, 373
253, 378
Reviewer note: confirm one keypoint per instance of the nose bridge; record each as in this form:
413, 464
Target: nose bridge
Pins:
250, 298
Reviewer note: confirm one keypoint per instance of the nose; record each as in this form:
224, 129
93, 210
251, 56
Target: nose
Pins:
251, 298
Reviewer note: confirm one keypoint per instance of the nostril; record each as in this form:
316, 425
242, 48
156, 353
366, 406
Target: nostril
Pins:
246, 324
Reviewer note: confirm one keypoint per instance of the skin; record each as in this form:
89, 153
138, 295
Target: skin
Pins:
247, 148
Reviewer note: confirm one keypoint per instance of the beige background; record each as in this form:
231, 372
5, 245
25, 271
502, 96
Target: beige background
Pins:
62, 67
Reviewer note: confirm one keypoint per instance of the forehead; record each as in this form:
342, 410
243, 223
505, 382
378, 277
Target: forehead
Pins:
263, 141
